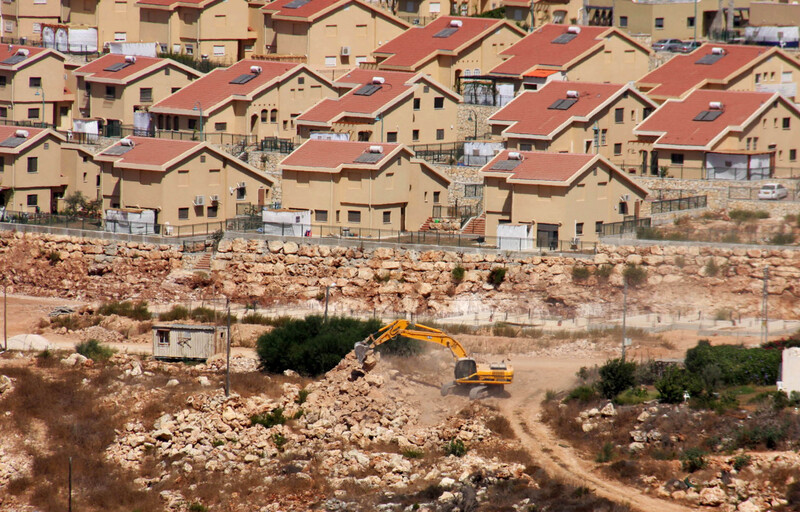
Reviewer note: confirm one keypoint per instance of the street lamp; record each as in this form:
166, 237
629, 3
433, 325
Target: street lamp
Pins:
474, 118
39, 92
199, 107
380, 118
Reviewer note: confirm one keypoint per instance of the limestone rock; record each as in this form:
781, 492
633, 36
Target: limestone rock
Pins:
608, 410
712, 496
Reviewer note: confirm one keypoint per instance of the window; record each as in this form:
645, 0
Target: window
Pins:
166, 71
578, 228
46, 145
33, 199
792, 155
202, 159
617, 148
353, 216
111, 92
40, 2
211, 211
175, 89
623, 22
438, 102
391, 136
120, 37
755, 143
163, 337
145, 95
416, 100
3, 80
440, 134
598, 227
690, 21
747, 147
3, 111
758, 77
387, 217
330, 61
33, 113
176, 48
472, 190
189, 49
219, 50
619, 115
321, 215
646, 111
623, 208
35, 81
183, 213
676, 158
220, 127
3, 165
603, 134
192, 124
659, 23
558, 16
526, 146
436, 197
786, 123
241, 194
414, 135
434, 7
264, 115
786, 77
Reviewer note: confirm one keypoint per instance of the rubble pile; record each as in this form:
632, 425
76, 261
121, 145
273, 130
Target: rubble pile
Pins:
101, 334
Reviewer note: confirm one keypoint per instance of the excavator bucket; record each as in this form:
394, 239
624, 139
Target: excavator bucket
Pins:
361, 351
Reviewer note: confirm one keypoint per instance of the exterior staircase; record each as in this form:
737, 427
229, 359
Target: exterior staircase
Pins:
475, 226
203, 263
426, 226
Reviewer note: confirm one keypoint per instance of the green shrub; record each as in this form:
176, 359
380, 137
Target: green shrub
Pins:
68, 322
746, 215
580, 273
269, 419
616, 376
644, 233
634, 275
311, 346
632, 396
279, 440
197, 507
134, 310
711, 269
54, 257
606, 453
204, 315
675, 382
693, 459
176, 313
382, 278
455, 447
458, 273
603, 272
741, 461
737, 365
302, 396
403, 347
582, 394
496, 276
217, 443
782, 239
95, 350
413, 453
505, 330
768, 433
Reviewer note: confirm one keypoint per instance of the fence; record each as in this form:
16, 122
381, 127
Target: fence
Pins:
637, 168
71, 48
751, 193
674, 205
625, 227
284, 146
415, 19
455, 212
220, 138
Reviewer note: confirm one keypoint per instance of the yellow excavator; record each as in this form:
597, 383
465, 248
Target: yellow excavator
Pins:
479, 378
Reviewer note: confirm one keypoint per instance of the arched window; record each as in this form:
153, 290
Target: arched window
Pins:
264, 114
273, 115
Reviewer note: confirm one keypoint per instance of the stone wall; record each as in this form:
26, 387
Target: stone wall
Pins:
467, 128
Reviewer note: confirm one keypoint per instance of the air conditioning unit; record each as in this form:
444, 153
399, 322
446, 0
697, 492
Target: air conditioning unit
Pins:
22, 134
345, 51
715, 105
131, 59
456, 23
375, 149
256, 70
514, 155
572, 94
214, 198
378, 80
717, 51
199, 200
574, 30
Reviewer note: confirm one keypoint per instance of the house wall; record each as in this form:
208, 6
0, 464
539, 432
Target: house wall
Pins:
774, 14
618, 62
768, 76
119, 16
18, 96
49, 175
81, 173
154, 25
641, 17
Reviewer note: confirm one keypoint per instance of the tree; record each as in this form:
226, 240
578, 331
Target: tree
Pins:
616, 376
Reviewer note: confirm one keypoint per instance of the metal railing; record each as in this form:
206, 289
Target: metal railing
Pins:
625, 227
415, 19
70, 48
689, 172
284, 146
454, 212
674, 205
751, 193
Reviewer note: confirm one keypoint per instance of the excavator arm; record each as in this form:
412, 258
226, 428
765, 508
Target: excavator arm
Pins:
407, 330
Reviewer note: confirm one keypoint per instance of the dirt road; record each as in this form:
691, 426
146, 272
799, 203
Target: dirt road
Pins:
533, 377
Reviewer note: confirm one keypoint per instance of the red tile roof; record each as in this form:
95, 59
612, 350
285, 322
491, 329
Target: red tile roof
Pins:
328, 154
674, 123
172, 3
416, 45
682, 73
308, 10
97, 68
150, 152
538, 49
7, 132
8, 51
541, 166
529, 113
396, 84
215, 88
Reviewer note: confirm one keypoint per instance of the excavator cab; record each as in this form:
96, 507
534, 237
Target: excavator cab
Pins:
465, 368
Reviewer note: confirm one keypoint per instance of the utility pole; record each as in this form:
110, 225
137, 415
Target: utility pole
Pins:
765, 308
624, 313
228, 357
327, 296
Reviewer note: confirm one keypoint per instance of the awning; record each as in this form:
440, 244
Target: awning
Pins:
540, 73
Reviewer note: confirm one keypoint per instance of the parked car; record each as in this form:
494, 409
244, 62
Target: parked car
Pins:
689, 46
773, 191
667, 45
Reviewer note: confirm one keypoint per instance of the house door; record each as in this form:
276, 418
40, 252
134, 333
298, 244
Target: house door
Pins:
644, 162
547, 236
636, 206
262, 196
402, 218
253, 123
654, 163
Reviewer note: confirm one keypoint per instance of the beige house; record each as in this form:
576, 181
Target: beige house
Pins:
557, 12
185, 182
422, 12
259, 98
330, 34
361, 186
449, 47
573, 117
386, 106
724, 67
721, 135
574, 53
81, 171
113, 87
31, 174
556, 196
214, 29
35, 86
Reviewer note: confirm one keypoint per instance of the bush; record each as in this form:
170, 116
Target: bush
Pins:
580, 273
176, 313
606, 453
782, 239
134, 310
616, 376
497, 276
197, 507
603, 272
711, 269
693, 459
311, 346
204, 315
302, 396
737, 365
403, 347
413, 453
675, 382
634, 275
278, 440
505, 330
632, 396
53, 257
582, 394
259, 319
458, 273
741, 461
746, 215
455, 447
95, 350
269, 419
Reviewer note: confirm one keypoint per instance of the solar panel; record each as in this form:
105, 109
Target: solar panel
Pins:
116, 67
563, 104
117, 150
294, 4
367, 90
242, 79
12, 142
564, 38
709, 59
14, 59
369, 158
446, 32
708, 115
506, 165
